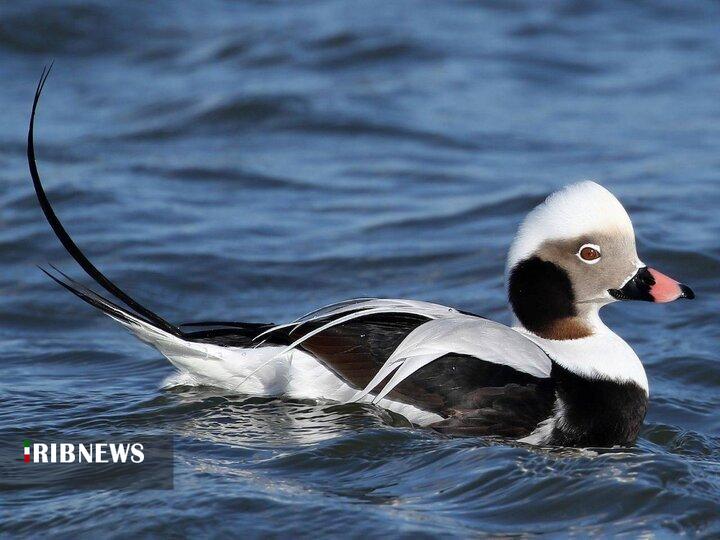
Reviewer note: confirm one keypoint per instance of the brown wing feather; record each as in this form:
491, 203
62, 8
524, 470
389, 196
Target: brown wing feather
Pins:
356, 350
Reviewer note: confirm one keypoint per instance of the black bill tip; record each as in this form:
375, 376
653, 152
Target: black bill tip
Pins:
686, 292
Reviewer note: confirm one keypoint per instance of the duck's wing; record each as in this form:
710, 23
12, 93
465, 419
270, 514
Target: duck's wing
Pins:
421, 353
483, 377
459, 335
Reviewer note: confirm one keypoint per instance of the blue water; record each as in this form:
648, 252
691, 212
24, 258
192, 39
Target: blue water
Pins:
254, 160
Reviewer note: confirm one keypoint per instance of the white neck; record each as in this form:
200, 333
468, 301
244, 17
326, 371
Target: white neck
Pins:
602, 355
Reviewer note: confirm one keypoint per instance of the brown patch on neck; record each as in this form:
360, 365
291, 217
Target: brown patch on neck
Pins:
565, 328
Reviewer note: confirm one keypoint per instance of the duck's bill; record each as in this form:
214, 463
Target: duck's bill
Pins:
652, 286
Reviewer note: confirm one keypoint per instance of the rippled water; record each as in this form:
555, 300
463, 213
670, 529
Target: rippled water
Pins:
255, 160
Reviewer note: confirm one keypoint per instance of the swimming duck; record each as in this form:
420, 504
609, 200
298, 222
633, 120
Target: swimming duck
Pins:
557, 377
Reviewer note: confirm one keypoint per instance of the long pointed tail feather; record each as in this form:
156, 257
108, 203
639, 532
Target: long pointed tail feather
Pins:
93, 298
145, 314
185, 354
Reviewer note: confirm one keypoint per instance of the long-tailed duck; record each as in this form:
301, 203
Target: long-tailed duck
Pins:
559, 376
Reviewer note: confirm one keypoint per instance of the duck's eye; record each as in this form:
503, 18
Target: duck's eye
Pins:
589, 253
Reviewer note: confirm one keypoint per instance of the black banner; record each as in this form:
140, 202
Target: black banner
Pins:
69, 463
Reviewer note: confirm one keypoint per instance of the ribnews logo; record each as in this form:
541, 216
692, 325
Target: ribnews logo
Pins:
53, 461
100, 452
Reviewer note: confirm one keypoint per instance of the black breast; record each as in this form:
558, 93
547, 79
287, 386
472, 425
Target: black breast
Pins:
596, 412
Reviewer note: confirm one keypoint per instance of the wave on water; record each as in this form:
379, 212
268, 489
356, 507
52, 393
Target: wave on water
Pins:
252, 161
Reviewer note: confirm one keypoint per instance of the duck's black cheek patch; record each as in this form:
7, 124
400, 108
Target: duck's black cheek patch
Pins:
540, 293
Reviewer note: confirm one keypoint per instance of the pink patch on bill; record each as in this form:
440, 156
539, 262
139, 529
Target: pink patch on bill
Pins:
666, 289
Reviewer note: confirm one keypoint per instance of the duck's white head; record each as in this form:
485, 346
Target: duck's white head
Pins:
574, 253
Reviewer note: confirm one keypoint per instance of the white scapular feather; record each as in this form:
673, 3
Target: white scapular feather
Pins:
461, 334
413, 307
408, 366
333, 308
362, 305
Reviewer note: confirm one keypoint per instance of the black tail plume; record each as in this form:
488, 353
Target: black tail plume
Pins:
69, 244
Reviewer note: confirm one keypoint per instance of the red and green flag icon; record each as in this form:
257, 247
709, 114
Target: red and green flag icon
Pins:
26, 444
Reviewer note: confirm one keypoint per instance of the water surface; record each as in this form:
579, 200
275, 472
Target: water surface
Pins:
253, 161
